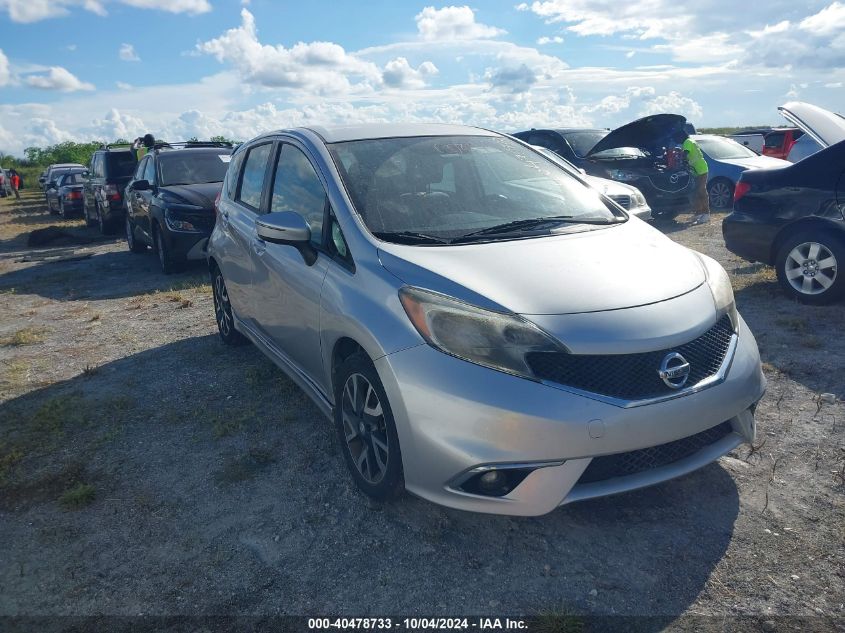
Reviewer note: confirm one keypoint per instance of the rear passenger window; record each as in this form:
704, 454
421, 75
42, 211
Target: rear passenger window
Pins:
296, 187
252, 181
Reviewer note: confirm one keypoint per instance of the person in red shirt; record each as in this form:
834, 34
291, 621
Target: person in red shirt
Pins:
16, 184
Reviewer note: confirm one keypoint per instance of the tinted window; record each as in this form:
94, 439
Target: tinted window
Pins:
723, 148
120, 164
192, 167
774, 140
296, 187
232, 174
252, 181
150, 171
393, 185
139, 172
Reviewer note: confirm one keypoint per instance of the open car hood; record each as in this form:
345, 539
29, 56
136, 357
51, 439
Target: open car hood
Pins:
644, 133
823, 126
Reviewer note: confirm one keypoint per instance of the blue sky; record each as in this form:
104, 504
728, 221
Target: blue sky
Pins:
100, 69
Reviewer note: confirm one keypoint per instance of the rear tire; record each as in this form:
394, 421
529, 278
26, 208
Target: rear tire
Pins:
88, 221
106, 226
223, 311
720, 191
366, 429
810, 267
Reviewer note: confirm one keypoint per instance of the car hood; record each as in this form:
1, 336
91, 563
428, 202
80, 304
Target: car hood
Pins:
201, 195
610, 187
617, 267
824, 126
642, 133
755, 162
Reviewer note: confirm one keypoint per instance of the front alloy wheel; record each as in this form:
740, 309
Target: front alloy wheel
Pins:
808, 268
366, 429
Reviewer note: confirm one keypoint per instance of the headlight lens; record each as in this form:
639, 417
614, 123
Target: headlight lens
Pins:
638, 199
492, 339
177, 223
621, 174
720, 288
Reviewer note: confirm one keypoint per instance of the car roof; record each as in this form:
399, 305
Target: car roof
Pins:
363, 131
64, 165
169, 151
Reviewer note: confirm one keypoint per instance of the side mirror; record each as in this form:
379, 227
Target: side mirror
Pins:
289, 229
141, 185
583, 172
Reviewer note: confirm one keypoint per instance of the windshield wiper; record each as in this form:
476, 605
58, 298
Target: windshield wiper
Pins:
526, 224
409, 237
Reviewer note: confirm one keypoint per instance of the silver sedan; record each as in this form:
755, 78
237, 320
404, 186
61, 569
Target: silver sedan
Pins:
483, 328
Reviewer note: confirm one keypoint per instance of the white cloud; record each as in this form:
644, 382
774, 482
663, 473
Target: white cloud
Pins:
673, 102
557, 39
398, 73
60, 79
828, 21
25, 11
5, 73
123, 85
453, 23
127, 53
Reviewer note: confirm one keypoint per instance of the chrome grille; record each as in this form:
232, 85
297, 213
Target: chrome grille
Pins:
634, 376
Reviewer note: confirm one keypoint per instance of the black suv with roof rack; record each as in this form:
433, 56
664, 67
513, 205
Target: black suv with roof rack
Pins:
170, 200
111, 168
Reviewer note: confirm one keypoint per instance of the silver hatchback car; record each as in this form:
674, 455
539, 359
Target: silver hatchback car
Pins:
484, 329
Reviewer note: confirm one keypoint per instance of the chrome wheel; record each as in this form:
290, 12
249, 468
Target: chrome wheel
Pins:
364, 428
810, 268
222, 307
720, 194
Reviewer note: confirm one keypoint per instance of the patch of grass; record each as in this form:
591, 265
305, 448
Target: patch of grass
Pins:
24, 336
244, 467
90, 370
557, 621
794, 324
8, 291
225, 425
9, 458
811, 342
79, 496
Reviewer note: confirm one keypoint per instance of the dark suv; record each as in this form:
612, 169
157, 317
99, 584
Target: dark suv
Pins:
640, 153
170, 200
111, 168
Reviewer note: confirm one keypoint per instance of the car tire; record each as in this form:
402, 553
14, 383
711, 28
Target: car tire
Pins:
223, 314
50, 207
62, 213
166, 261
810, 267
88, 221
134, 245
720, 192
106, 226
366, 429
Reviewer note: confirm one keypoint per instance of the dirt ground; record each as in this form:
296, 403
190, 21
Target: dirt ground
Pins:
147, 469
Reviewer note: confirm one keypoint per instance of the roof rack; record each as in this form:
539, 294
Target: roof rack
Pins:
184, 144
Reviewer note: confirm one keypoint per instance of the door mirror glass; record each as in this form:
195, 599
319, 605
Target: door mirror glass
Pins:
338, 241
141, 185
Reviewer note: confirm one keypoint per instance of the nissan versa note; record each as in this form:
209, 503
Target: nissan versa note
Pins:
485, 329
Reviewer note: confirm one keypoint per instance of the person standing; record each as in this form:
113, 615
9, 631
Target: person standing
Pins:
695, 159
16, 184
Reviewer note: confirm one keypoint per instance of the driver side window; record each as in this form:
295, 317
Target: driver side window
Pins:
150, 171
296, 187
139, 172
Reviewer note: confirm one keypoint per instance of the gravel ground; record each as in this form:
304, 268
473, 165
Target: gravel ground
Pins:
147, 469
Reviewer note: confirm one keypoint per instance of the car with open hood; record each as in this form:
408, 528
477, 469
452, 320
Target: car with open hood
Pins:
170, 200
483, 328
635, 154
791, 217
726, 160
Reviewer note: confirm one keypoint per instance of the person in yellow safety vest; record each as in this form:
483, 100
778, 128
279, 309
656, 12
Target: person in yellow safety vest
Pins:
695, 158
142, 145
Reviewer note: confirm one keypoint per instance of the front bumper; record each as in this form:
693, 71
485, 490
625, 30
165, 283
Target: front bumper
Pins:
453, 417
189, 246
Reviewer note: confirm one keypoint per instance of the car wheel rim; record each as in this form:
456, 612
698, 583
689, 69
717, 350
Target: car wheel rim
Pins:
810, 268
364, 428
720, 195
222, 309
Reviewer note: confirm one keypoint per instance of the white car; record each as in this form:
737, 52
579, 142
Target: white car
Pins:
626, 196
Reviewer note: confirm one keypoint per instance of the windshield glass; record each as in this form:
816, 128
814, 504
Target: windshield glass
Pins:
723, 148
582, 142
450, 187
192, 167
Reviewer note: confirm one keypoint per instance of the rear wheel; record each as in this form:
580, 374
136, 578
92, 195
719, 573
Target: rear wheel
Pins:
721, 193
223, 311
808, 267
62, 213
366, 429
134, 245
88, 220
106, 227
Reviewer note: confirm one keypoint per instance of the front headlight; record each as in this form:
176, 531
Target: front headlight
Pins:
720, 287
177, 222
492, 339
621, 175
638, 199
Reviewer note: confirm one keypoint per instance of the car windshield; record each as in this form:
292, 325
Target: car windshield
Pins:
723, 148
445, 189
192, 167
121, 164
582, 142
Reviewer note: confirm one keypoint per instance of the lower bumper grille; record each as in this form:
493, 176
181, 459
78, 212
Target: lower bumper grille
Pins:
633, 462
